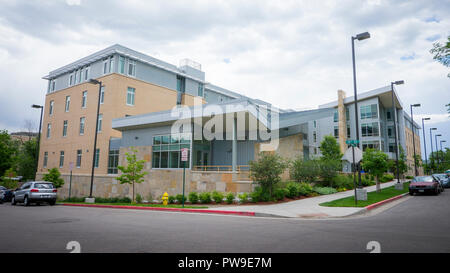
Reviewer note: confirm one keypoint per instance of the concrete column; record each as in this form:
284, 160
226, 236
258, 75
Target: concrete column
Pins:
342, 122
234, 146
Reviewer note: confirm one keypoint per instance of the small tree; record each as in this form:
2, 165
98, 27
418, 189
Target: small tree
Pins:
266, 170
304, 170
132, 173
54, 176
329, 168
402, 166
6, 181
330, 148
376, 163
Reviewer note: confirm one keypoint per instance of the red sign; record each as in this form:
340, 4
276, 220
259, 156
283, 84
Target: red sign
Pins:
184, 154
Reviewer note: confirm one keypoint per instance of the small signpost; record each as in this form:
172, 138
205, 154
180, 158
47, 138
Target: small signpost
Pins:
353, 155
70, 183
184, 159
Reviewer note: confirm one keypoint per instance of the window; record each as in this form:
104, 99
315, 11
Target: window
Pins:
80, 73
369, 111
370, 129
50, 110
315, 124
102, 94
336, 131
315, 150
67, 103
49, 129
347, 113
53, 85
97, 158
315, 136
45, 159
64, 128
388, 115
61, 159
200, 90
79, 154
166, 150
71, 79
392, 147
130, 95
86, 73
371, 144
111, 64
390, 131
131, 68
348, 131
113, 161
82, 123
100, 121
84, 99
121, 65
180, 84
75, 77
336, 116
105, 67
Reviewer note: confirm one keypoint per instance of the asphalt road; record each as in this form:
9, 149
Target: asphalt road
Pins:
417, 224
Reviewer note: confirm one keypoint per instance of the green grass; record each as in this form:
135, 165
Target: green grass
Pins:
372, 197
141, 205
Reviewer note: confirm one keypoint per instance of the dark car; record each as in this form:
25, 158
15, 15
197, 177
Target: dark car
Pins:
7, 194
443, 178
425, 184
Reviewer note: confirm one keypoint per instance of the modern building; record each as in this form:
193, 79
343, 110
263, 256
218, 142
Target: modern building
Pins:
159, 109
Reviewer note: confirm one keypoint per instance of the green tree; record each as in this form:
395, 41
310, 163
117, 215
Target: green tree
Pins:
330, 149
8, 151
26, 159
6, 181
304, 170
54, 176
402, 166
376, 163
441, 53
266, 171
132, 173
329, 169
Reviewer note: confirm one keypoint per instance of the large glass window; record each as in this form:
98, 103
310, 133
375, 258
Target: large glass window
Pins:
111, 64
336, 131
131, 68
130, 95
167, 150
200, 90
369, 111
113, 161
371, 144
336, 116
121, 65
369, 129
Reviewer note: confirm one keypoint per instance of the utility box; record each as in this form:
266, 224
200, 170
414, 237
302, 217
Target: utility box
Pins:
361, 195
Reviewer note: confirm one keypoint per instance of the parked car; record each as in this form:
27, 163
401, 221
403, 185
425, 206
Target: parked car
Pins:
2, 195
422, 184
7, 194
443, 178
35, 192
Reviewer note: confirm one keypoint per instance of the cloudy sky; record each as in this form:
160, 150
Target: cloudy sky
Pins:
295, 54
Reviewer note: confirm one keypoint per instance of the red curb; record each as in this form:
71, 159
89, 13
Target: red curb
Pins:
242, 213
374, 205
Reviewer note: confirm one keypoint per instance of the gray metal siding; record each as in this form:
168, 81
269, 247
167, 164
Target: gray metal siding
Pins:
142, 137
221, 152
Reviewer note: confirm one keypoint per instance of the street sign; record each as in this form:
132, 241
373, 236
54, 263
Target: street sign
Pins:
348, 155
71, 166
184, 154
352, 142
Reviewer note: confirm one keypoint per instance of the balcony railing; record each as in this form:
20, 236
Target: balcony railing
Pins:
221, 168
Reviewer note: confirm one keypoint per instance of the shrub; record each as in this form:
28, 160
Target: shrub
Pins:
54, 176
243, 197
217, 197
387, 177
179, 198
305, 189
193, 197
112, 200
138, 198
324, 190
259, 195
280, 193
304, 170
266, 170
74, 199
293, 189
329, 169
171, 199
409, 177
342, 181
205, 197
230, 198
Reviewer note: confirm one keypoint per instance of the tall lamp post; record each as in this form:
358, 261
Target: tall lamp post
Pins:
442, 152
394, 112
414, 138
93, 81
424, 141
431, 142
437, 150
39, 136
359, 37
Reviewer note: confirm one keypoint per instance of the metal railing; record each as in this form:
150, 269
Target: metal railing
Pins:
221, 168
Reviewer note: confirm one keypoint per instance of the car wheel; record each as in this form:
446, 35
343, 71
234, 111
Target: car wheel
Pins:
411, 193
13, 201
26, 201
52, 203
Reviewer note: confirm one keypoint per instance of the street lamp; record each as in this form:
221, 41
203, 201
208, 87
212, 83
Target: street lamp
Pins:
413, 137
94, 81
39, 135
424, 141
394, 112
359, 37
431, 141
442, 152
437, 150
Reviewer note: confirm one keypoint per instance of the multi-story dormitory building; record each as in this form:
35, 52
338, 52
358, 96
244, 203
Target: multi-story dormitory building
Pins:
137, 97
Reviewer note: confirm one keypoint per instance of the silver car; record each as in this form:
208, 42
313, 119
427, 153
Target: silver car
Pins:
35, 192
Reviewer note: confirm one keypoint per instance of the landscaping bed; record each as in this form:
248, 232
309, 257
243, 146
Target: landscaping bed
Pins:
372, 197
141, 205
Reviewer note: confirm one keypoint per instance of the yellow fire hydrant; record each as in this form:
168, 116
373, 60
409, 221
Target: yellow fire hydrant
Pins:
165, 198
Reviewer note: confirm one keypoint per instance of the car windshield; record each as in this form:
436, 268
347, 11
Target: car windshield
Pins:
43, 186
423, 179
440, 175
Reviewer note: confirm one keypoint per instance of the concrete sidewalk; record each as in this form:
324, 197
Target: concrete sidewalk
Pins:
305, 208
